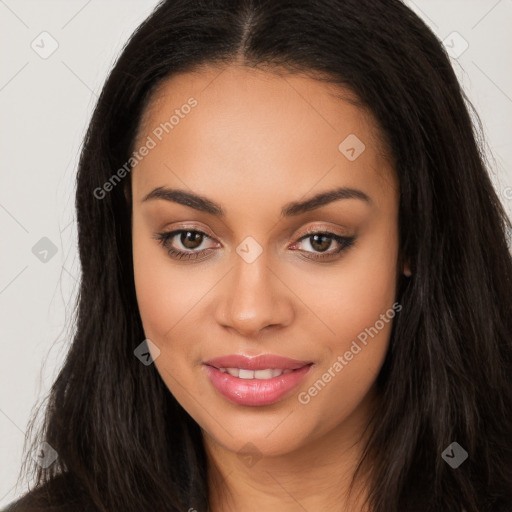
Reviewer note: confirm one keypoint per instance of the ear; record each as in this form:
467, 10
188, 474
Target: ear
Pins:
407, 270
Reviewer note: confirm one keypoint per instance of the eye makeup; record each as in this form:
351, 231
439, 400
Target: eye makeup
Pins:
316, 238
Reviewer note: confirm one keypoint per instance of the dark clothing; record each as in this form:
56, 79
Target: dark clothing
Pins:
59, 495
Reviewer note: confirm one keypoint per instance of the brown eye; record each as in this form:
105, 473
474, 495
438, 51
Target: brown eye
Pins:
191, 239
320, 242
188, 239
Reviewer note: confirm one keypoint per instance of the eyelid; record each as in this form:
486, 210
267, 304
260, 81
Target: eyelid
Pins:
340, 231
186, 226
344, 241
298, 234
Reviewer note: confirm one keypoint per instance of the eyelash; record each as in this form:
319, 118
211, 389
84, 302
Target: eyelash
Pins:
165, 237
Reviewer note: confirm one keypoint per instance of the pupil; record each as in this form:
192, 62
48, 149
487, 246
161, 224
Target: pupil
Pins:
190, 242
320, 247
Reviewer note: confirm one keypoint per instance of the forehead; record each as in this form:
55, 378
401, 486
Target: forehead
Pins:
258, 130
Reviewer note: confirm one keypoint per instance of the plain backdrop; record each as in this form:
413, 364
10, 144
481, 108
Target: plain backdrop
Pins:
45, 104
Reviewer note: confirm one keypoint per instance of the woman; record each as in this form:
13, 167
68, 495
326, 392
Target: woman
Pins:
296, 284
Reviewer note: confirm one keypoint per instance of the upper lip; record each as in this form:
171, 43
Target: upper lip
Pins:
261, 362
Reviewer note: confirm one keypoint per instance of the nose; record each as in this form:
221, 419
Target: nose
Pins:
254, 299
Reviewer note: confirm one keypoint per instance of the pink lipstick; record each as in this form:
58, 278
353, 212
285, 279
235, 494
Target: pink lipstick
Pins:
255, 381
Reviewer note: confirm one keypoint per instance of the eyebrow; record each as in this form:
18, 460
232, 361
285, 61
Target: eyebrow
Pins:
291, 209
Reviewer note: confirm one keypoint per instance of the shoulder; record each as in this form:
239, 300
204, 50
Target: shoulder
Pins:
58, 495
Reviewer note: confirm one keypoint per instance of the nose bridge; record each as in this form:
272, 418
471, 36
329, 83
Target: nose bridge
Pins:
253, 300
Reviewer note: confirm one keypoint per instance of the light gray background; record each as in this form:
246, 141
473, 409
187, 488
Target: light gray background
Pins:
45, 106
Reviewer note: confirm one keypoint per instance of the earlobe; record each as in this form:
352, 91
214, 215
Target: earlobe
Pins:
407, 270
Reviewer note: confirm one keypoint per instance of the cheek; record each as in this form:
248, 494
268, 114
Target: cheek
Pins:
352, 297
152, 287
164, 293
356, 303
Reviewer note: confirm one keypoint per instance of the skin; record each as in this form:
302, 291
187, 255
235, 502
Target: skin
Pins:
256, 141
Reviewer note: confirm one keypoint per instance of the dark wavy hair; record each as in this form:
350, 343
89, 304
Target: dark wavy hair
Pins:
125, 443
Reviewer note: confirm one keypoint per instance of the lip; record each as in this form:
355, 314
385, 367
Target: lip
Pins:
256, 392
261, 362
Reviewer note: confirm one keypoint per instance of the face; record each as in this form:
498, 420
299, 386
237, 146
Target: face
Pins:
244, 262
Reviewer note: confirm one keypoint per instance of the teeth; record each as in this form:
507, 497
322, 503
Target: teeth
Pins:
246, 374
242, 373
264, 374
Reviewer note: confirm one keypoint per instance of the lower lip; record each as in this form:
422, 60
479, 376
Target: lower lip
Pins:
255, 392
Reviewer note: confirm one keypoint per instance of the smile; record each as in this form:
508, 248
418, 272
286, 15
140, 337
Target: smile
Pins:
255, 381
243, 373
